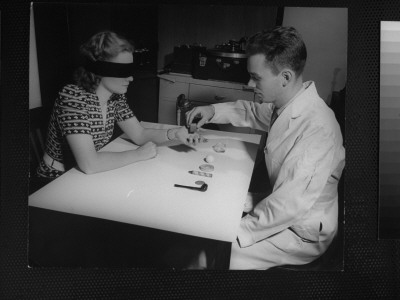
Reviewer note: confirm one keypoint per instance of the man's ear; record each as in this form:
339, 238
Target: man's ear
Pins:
286, 76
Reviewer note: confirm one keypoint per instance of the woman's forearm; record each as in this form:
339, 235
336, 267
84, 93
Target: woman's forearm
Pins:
140, 135
157, 135
105, 161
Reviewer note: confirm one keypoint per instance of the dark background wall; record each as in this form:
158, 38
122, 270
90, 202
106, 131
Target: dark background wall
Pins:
62, 27
209, 25
371, 265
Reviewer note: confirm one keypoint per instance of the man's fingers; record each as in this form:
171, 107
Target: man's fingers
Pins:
201, 122
190, 116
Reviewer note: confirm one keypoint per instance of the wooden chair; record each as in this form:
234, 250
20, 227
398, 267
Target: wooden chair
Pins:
338, 106
38, 122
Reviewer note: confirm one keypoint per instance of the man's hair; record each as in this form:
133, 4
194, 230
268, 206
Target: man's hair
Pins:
283, 47
102, 46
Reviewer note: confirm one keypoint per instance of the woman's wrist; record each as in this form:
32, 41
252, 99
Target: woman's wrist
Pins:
213, 113
171, 134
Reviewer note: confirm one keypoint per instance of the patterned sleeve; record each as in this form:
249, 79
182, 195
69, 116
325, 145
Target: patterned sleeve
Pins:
122, 109
73, 115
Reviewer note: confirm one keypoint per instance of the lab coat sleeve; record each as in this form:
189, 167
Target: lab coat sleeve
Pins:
301, 179
243, 113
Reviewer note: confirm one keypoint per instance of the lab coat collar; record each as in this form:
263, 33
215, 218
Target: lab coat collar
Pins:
301, 102
295, 109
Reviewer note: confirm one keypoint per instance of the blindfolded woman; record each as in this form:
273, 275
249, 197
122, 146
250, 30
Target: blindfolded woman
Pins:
84, 114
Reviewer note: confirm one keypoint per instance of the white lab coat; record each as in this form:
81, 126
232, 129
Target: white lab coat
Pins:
305, 157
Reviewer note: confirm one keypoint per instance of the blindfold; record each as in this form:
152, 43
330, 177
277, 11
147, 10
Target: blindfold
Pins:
110, 69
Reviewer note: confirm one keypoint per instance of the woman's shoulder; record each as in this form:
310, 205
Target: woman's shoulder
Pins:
73, 90
75, 93
74, 96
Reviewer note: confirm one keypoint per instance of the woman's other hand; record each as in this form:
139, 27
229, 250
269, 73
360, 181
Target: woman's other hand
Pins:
147, 151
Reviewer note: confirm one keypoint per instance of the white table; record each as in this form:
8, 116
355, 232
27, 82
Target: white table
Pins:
143, 193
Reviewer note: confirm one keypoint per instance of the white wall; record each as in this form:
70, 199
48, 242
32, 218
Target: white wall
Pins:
34, 85
324, 31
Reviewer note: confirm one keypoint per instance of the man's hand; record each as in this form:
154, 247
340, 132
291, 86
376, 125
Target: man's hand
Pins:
205, 113
249, 204
252, 199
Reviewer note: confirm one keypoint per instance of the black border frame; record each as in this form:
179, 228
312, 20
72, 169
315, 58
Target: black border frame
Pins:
371, 265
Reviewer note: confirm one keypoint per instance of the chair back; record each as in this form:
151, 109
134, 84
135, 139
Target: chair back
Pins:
38, 122
338, 106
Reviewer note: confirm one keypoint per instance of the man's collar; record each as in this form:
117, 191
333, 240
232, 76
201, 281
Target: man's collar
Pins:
299, 92
301, 101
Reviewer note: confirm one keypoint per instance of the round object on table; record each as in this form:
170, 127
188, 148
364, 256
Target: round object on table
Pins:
199, 182
207, 168
209, 158
219, 147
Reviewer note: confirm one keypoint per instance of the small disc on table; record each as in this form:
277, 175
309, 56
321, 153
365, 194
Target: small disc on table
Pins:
207, 168
219, 147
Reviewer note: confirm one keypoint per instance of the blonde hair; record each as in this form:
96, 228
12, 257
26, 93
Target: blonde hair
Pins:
102, 46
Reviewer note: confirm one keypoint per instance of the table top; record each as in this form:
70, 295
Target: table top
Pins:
143, 193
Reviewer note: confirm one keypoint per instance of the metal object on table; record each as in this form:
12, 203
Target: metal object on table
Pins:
183, 105
205, 174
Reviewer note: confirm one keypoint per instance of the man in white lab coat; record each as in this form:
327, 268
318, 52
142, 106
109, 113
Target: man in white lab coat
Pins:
304, 154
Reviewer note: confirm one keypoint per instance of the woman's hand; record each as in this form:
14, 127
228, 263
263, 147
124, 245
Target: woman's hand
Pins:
182, 134
147, 151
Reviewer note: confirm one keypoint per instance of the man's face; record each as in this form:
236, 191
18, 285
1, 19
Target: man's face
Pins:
266, 84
